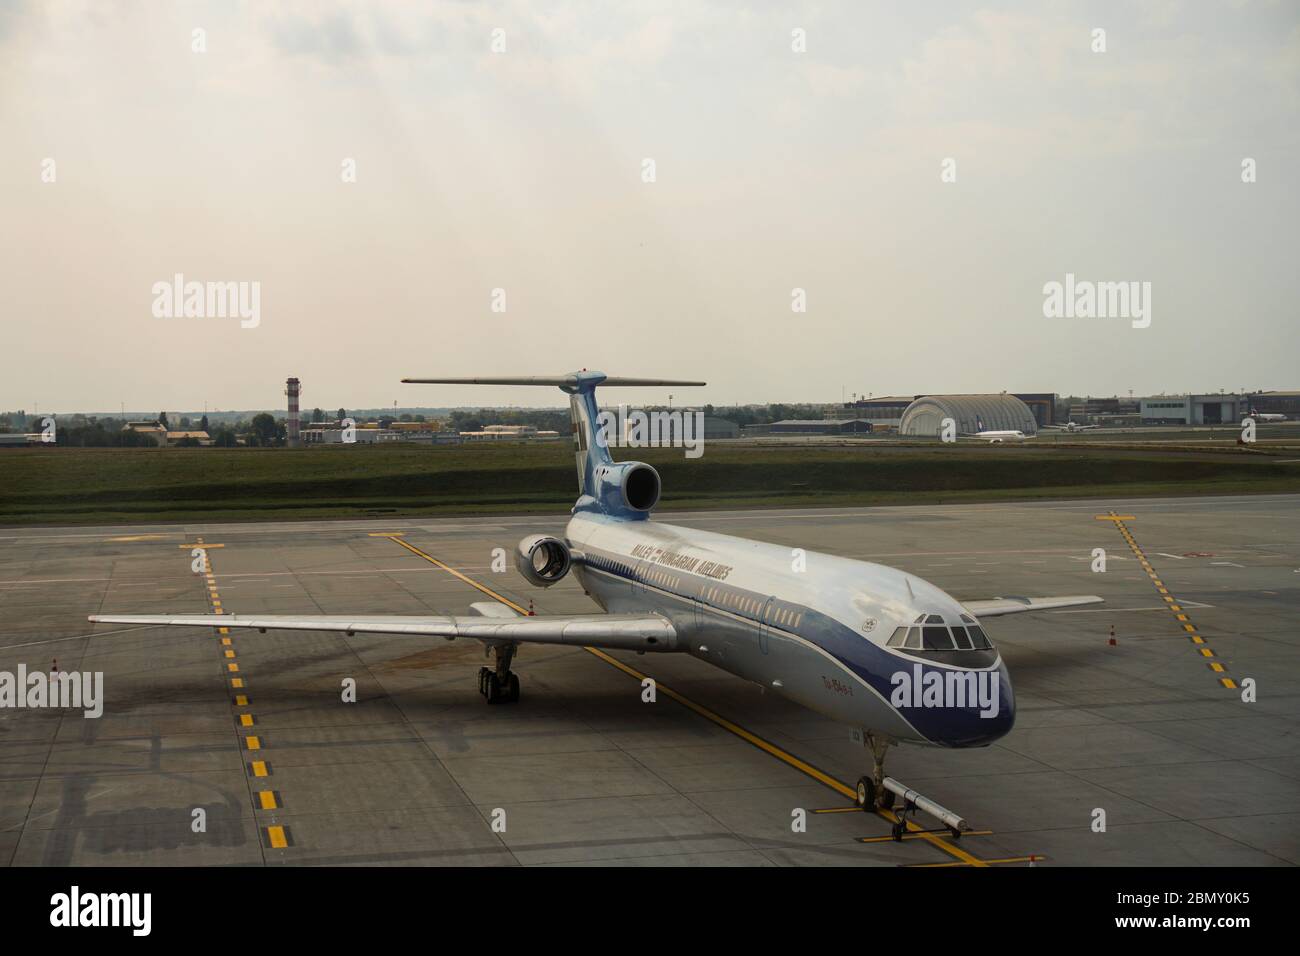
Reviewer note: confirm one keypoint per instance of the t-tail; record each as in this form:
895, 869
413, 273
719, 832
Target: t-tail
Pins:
627, 489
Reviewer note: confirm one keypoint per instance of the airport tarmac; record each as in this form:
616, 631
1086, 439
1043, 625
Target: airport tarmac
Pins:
1151, 731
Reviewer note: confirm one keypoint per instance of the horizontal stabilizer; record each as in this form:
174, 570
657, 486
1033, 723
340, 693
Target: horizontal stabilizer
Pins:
558, 381
995, 607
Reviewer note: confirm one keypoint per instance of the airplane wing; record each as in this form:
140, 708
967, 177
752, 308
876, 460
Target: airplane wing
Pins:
996, 607
638, 632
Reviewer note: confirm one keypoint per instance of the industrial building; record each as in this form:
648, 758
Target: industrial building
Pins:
972, 413
1112, 412
1193, 409
1041, 404
511, 433
884, 413
827, 426
715, 428
1275, 403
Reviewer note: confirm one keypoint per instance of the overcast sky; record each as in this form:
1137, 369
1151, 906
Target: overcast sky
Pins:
523, 170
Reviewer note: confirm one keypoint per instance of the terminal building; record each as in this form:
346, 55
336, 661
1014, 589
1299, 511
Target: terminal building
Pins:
971, 413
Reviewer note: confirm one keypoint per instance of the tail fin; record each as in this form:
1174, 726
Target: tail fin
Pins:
590, 445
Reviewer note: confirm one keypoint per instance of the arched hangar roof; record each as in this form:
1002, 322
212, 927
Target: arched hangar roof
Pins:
972, 413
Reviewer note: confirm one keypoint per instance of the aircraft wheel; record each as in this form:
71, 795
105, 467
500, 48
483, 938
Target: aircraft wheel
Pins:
493, 694
865, 796
887, 799
514, 688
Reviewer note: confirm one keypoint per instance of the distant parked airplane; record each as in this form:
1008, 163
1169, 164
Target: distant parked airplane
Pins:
994, 436
1266, 416
1072, 427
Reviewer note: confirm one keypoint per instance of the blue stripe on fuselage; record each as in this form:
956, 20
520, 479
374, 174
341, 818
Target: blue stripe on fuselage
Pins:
873, 664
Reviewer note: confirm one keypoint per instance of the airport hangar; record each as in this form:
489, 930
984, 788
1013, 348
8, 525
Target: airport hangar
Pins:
972, 413
886, 413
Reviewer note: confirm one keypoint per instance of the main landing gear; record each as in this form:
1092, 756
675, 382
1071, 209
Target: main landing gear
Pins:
879, 792
500, 685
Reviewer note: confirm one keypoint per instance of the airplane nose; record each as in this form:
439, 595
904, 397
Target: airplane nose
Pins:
999, 723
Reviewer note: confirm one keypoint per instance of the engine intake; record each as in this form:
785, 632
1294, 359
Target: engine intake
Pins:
628, 486
543, 560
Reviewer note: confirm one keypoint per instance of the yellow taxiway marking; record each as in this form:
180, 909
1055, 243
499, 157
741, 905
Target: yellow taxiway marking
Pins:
1179, 615
233, 668
260, 769
237, 682
241, 700
1007, 859
267, 800
385, 534
225, 642
253, 743
468, 580
769, 748
277, 838
246, 720
917, 836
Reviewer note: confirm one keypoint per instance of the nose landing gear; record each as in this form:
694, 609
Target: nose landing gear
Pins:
871, 791
881, 793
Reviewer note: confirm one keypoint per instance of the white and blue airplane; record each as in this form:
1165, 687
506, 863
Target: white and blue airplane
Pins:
885, 652
993, 436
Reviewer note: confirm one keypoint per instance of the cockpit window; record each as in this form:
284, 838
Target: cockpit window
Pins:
930, 632
937, 638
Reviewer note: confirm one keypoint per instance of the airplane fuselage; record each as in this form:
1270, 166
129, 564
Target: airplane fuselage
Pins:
811, 627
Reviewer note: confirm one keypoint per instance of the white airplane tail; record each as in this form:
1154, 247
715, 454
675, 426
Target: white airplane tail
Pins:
590, 446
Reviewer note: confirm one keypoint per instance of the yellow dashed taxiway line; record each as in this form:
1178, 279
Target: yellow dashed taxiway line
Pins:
276, 837
1174, 607
962, 857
